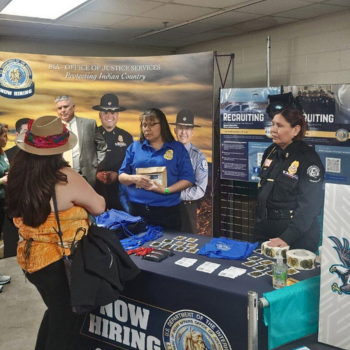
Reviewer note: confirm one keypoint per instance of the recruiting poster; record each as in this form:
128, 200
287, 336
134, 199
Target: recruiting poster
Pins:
245, 128
29, 84
244, 131
327, 114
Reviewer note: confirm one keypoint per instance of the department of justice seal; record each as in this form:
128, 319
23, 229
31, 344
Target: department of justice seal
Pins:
342, 135
16, 79
191, 330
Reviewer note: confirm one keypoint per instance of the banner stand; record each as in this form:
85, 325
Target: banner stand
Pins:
216, 186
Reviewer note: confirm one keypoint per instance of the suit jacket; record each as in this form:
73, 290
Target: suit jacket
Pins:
92, 148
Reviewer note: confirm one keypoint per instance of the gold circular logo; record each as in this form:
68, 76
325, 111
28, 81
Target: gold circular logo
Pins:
169, 154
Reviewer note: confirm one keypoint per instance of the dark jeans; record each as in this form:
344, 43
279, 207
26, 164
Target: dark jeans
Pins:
167, 217
59, 326
189, 216
110, 193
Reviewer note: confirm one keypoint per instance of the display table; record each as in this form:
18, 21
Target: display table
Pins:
166, 297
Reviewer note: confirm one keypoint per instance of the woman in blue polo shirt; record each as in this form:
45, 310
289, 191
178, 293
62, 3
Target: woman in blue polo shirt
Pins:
157, 204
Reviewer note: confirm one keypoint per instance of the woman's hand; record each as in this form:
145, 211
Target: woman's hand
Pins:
4, 180
156, 187
277, 242
142, 181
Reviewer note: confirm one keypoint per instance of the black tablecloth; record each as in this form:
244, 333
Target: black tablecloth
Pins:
164, 288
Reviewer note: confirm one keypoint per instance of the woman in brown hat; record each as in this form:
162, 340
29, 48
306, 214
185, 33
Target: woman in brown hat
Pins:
37, 170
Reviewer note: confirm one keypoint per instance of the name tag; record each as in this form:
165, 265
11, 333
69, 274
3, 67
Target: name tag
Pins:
292, 176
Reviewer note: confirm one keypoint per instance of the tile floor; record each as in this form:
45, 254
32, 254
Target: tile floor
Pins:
21, 309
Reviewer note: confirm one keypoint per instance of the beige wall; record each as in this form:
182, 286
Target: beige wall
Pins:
76, 48
308, 52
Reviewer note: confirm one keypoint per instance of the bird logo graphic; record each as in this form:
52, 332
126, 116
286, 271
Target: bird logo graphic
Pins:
342, 270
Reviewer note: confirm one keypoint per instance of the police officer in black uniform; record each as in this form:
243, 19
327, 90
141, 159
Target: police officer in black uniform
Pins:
118, 140
290, 188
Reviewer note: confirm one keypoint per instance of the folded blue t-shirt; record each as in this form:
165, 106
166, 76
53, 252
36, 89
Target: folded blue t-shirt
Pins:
227, 248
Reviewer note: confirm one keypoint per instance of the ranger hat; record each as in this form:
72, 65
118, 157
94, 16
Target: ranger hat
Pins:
185, 117
109, 102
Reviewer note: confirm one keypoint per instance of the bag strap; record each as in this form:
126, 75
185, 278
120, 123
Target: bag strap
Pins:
59, 232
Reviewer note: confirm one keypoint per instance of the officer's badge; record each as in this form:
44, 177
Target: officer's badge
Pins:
293, 167
16, 79
169, 154
120, 138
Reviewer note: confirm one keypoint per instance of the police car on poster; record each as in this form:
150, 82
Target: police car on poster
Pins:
16, 79
191, 330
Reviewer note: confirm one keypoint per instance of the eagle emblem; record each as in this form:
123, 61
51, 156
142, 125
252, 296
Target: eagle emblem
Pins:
342, 270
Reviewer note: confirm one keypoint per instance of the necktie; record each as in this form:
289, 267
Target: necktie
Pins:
280, 154
68, 155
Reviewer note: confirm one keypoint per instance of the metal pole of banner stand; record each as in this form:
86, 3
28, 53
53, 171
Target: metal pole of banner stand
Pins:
253, 304
216, 189
232, 69
252, 320
268, 61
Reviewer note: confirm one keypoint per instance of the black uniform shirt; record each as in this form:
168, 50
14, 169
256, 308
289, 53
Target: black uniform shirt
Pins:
292, 179
118, 140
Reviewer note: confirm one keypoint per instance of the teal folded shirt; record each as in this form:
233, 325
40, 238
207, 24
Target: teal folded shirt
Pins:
293, 312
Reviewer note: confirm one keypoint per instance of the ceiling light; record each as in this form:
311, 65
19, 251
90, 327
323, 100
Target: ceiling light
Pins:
40, 8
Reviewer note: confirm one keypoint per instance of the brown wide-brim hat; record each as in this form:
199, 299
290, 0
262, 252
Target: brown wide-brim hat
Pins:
186, 118
45, 137
109, 102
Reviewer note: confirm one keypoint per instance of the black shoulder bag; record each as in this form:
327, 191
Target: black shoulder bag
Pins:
67, 259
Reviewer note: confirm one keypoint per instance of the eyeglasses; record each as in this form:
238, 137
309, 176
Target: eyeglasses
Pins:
150, 125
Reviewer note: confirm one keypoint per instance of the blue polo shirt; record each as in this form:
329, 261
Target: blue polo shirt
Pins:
173, 155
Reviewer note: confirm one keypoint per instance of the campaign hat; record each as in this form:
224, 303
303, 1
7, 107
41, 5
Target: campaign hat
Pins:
46, 136
109, 102
186, 118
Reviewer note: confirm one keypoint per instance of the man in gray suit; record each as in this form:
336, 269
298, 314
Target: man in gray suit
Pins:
90, 151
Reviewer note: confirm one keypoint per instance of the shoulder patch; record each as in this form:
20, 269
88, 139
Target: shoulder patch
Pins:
314, 172
204, 165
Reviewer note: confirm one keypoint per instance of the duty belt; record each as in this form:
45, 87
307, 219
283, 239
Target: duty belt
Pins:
273, 214
189, 202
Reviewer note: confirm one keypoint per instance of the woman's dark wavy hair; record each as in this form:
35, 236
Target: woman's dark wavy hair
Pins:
295, 117
30, 183
152, 114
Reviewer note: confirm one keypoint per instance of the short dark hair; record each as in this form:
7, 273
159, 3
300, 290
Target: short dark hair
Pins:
21, 122
30, 184
295, 117
152, 114
3, 128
